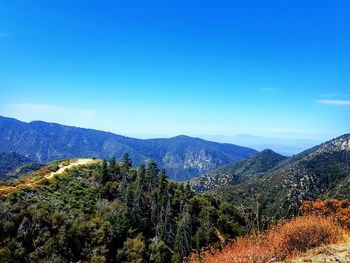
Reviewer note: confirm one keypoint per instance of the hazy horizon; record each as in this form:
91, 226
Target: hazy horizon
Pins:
286, 146
213, 69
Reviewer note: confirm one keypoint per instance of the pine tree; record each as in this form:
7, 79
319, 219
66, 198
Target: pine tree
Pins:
127, 162
104, 172
165, 227
114, 168
141, 176
183, 234
139, 203
151, 175
188, 191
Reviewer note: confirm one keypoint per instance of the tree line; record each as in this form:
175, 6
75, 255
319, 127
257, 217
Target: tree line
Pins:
112, 212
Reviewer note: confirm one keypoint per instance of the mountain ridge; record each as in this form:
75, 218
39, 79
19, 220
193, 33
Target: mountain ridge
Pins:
239, 172
183, 157
322, 171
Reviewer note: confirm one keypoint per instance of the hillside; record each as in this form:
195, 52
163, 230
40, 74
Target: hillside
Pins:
320, 233
183, 157
327, 253
322, 171
239, 172
13, 165
9, 161
86, 210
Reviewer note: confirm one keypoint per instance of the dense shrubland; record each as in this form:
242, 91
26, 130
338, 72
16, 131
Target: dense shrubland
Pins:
322, 222
110, 212
337, 210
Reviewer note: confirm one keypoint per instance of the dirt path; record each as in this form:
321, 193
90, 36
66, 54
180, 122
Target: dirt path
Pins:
75, 163
331, 253
29, 182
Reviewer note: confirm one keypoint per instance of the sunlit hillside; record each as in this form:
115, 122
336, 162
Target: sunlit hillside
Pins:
322, 223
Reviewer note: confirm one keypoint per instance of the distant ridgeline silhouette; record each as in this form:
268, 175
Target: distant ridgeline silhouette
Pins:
183, 157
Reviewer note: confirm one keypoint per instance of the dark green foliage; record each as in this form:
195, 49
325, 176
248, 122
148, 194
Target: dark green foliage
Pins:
105, 175
339, 189
159, 252
109, 212
127, 162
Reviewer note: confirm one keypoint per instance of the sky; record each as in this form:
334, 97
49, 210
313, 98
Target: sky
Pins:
156, 68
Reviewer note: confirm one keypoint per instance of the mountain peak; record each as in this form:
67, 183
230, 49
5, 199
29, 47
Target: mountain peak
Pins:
182, 156
235, 173
268, 152
182, 136
341, 142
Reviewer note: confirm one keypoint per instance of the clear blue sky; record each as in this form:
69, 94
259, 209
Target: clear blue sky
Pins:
162, 68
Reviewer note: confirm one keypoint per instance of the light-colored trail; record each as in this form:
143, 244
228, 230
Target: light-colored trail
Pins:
328, 253
32, 181
78, 162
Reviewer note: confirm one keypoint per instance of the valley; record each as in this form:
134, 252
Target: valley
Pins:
86, 209
182, 157
279, 185
152, 131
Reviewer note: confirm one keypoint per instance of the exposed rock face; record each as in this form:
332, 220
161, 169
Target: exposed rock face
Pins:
201, 160
322, 171
339, 144
238, 172
183, 157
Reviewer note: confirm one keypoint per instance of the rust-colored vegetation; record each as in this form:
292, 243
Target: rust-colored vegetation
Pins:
318, 226
338, 210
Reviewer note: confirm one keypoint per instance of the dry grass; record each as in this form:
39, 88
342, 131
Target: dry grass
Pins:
339, 210
282, 241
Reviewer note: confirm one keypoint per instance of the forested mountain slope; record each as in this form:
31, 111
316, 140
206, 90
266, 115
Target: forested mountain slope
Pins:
107, 212
322, 171
239, 172
183, 157
13, 165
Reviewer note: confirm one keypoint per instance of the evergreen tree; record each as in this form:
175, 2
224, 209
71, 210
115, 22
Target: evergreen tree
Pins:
182, 243
141, 176
134, 250
139, 203
127, 162
104, 172
151, 175
114, 169
188, 191
162, 182
129, 199
159, 252
140, 217
169, 229
162, 190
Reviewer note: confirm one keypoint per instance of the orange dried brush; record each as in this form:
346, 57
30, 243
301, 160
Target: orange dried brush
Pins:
284, 240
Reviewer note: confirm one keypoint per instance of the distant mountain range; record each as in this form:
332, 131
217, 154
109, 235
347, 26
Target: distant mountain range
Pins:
281, 184
284, 146
13, 165
183, 157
